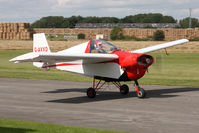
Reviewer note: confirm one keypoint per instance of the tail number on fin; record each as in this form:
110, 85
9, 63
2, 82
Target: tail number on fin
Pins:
41, 49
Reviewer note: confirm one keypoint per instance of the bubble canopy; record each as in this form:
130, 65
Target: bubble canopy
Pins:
101, 46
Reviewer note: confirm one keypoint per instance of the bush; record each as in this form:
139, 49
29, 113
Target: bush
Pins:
116, 33
158, 35
81, 36
194, 39
56, 37
129, 38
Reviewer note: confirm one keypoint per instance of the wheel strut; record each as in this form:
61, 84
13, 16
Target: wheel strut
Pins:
124, 89
98, 86
91, 92
141, 93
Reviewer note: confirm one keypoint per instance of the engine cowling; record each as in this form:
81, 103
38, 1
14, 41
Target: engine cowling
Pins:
145, 60
135, 64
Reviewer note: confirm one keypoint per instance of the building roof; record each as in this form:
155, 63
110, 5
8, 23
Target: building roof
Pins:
127, 25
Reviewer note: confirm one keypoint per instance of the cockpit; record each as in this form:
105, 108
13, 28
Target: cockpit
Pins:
101, 46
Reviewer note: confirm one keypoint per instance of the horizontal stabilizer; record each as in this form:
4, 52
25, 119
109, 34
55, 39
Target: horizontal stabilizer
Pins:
25, 58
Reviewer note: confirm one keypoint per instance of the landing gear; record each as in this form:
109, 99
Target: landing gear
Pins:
141, 93
124, 89
91, 93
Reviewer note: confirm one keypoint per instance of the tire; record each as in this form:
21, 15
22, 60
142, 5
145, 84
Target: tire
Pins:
124, 89
91, 93
142, 93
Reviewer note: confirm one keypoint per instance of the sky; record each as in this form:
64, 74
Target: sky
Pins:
32, 10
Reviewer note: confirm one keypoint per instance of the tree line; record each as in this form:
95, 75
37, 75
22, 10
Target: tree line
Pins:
70, 22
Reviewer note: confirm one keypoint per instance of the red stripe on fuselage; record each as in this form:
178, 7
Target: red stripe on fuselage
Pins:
63, 64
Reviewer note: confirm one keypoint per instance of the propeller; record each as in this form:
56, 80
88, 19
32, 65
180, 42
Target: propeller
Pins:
158, 62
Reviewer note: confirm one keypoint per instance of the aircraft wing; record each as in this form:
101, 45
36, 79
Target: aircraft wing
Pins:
57, 57
160, 46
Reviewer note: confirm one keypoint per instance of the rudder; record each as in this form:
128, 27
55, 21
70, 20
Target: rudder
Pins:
40, 44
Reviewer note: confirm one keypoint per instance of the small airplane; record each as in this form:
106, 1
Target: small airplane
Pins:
99, 59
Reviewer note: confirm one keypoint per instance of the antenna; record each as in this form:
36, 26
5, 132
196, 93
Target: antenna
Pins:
190, 21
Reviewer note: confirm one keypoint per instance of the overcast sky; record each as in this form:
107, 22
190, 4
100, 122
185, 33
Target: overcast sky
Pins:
32, 10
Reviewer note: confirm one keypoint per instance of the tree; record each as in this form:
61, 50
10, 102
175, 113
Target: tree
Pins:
81, 36
184, 23
65, 23
168, 19
110, 20
148, 18
156, 18
91, 20
61, 22
74, 20
159, 35
116, 33
49, 22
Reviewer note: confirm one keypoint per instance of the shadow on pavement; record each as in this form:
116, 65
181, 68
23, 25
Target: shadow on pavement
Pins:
83, 90
108, 95
167, 93
101, 96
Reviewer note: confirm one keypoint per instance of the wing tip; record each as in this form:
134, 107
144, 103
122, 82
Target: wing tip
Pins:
185, 40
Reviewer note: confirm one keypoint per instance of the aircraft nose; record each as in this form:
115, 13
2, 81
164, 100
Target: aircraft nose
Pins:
145, 60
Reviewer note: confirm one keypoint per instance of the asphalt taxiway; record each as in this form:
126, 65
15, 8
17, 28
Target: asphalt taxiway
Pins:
165, 109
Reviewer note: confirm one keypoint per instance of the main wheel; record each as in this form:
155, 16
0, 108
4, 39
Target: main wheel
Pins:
124, 89
91, 93
142, 93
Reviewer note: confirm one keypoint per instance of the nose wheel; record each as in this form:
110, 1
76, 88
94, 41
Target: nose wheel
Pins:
141, 93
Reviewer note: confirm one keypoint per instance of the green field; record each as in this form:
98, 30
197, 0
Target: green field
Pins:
13, 126
178, 69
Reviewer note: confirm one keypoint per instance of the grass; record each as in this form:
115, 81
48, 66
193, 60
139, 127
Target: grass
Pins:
13, 126
180, 69
177, 69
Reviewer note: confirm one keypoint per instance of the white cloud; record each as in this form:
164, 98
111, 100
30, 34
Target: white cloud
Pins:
62, 2
195, 12
117, 8
179, 1
92, 4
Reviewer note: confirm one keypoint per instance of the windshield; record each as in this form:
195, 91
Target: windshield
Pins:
101, 46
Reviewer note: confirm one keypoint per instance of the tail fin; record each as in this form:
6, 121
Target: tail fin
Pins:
40, 44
